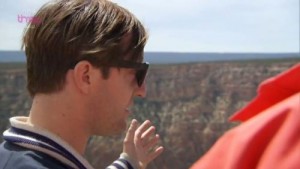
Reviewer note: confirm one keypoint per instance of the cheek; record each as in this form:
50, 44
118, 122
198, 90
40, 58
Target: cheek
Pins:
132, 80
123, 91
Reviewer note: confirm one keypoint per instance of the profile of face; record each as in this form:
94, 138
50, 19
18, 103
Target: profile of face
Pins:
112, 99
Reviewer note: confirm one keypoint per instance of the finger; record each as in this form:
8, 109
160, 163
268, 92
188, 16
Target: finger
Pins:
131, 130
148, 133
141, 130
155, 154
151, 144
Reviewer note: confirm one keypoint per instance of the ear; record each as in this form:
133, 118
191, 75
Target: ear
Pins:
83, 72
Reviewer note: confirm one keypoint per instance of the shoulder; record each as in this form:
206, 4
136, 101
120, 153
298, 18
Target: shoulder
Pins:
17, 157
267, 140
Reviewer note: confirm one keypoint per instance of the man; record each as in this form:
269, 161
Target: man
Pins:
84, 67
269, 135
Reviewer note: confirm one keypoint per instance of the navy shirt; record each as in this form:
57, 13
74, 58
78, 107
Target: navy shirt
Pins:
13, 156
28, 147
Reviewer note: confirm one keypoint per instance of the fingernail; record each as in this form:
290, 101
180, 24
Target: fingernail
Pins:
134, 122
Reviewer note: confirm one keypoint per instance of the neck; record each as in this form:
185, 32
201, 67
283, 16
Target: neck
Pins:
61, 116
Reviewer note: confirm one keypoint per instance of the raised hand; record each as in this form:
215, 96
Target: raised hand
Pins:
140, 144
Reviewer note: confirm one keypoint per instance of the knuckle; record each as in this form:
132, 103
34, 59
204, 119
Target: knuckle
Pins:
127, 141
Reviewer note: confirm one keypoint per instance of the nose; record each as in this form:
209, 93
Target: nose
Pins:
141, 91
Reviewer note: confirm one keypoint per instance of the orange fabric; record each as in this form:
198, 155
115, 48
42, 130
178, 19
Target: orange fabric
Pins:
269, 137
270, 92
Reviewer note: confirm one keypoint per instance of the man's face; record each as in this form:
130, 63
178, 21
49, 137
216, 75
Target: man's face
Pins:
112, 99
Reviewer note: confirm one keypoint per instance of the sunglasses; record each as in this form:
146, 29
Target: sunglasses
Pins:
141, 69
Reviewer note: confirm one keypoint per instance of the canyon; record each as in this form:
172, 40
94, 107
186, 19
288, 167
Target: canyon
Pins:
188, 103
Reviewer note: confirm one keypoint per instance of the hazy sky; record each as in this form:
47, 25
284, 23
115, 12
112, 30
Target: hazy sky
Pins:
190, 25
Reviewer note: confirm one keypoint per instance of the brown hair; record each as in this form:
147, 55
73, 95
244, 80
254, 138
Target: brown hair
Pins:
69, 31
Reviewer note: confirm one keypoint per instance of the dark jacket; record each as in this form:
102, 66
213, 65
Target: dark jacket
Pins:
13, 156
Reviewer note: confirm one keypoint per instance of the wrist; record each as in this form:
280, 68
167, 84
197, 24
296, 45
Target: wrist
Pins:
132, 161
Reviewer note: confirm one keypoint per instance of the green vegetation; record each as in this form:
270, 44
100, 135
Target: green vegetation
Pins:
188, 103
12, 65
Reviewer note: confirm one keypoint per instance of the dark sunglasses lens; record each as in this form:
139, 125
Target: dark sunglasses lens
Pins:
140, 76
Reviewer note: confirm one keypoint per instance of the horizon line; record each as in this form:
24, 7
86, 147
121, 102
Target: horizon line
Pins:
232, 52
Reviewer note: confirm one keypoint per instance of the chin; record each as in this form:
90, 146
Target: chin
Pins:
114, 130
120, 129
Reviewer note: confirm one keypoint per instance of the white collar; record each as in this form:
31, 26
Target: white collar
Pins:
20, 122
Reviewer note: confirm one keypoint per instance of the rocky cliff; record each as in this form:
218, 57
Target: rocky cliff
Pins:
188, 103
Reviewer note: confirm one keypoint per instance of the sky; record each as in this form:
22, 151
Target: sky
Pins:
189, 25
